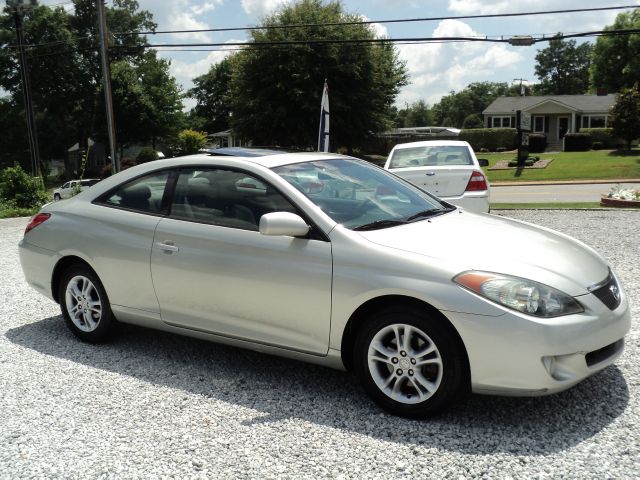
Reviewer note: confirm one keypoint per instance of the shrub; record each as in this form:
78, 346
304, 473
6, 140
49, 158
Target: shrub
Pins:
190, 141
473, 120
597, 145
18, 187
490, 138
484, 150
603, 136
501, 149
537, 142
147, 154
577, 142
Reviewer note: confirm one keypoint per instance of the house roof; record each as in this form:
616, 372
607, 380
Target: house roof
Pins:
580, 103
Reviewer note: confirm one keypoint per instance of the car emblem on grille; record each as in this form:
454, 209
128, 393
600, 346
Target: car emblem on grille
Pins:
615, 292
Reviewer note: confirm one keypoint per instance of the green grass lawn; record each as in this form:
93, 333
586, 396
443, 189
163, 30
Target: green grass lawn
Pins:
550, 205
594, 164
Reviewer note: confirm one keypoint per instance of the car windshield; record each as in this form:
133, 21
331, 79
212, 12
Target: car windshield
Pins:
359, 195
431, 156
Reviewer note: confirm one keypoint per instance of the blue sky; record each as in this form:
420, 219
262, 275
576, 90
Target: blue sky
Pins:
434, 69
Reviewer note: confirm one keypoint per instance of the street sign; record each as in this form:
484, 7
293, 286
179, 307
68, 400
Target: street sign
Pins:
525, 139
525, 121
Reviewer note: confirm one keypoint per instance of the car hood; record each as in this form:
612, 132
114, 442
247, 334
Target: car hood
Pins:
468, 241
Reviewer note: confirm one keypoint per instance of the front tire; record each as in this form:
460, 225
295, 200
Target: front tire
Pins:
57, 198
85, 305
410, 363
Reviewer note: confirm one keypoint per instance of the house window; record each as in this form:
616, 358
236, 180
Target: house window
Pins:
500, 122
595, 121
538, 124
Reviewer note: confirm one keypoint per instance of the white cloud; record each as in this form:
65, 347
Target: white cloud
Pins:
260, 8
186, 71
380, 30
182, 15
552, 23
437, 68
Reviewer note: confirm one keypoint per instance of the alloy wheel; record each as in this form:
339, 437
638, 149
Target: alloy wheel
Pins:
405, 363
83, 303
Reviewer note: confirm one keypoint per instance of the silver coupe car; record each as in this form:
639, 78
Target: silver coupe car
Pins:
331, 260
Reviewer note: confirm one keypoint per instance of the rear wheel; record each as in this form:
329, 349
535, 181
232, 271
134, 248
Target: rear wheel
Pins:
410, 364
56, 197
85, 305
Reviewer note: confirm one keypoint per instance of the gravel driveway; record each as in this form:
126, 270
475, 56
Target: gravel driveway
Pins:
152, 405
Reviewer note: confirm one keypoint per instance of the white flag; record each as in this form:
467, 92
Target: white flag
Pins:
323, 135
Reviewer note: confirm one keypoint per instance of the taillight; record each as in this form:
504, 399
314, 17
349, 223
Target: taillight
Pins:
477, 182
36, 220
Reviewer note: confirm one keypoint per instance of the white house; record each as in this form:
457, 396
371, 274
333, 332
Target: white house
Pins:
554, 115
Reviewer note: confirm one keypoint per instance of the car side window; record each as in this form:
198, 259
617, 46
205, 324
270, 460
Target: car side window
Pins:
144, 194
228, 198
66, 185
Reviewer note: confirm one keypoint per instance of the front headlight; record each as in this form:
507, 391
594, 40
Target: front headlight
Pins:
520, 294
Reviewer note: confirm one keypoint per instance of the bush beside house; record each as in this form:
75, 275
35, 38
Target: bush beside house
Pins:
537, 142
577, 142
490, 139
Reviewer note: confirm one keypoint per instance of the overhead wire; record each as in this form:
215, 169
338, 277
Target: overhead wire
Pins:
371, 22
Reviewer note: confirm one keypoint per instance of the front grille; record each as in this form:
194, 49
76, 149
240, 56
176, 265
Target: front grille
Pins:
603, 353
608, 292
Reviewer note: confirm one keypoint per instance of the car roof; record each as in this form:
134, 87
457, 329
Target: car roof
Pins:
267, 161
241, 151
432, 143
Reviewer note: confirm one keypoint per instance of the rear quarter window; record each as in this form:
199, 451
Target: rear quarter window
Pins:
145, 194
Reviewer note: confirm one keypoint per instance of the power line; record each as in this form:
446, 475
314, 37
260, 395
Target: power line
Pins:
370, 22
384, 40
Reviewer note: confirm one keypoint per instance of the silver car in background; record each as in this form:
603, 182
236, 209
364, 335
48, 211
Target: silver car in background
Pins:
331, 260
448, 169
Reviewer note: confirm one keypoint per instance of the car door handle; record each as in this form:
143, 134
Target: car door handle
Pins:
430, 174
167, 246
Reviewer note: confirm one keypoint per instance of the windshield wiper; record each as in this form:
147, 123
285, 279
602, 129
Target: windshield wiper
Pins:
434, 212
380, 224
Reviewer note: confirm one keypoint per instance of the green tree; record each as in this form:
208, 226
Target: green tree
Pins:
453, 109
418, 115
563, 68
626, 115
616, 58
14, 147
276, 91
147, 102
212, 92
65, 70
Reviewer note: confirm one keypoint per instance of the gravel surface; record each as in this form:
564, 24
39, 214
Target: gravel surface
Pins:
153, 405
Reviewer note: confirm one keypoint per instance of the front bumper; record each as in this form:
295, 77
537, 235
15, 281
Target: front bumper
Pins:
519, 355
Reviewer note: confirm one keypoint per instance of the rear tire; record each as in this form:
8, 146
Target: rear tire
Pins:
85, 305
410, 363
57, 197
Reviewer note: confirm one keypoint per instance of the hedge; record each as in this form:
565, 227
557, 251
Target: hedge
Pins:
490, 138
604, 136
577, 142
537, 142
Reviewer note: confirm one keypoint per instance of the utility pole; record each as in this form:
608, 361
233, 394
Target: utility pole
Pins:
106, 82
17, 7
522, 89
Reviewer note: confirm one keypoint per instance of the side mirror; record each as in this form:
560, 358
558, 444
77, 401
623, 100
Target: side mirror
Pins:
483, 162
283, 224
